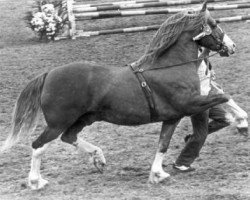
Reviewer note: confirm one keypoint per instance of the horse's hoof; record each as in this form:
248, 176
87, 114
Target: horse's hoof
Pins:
100, 166
37, 184
98, 159
243, 130
157, 177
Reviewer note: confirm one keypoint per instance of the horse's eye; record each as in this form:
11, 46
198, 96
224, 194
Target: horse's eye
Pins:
213, 24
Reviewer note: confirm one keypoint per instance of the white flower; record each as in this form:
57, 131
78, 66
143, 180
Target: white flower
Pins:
47, 20
38, 15
37, 22
48, 9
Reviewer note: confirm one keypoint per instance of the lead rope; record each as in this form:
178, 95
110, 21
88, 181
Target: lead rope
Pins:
140, 70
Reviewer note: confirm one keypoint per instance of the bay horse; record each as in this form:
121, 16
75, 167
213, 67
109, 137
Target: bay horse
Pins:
78, 94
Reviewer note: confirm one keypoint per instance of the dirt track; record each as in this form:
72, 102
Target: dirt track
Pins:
223, 168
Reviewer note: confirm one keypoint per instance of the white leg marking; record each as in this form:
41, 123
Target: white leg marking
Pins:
85, 146
96, 154
35, 179
241, 117
230, 118
242, 124
157, 174
237, 110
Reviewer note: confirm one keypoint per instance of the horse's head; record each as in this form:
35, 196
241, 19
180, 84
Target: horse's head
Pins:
213, 37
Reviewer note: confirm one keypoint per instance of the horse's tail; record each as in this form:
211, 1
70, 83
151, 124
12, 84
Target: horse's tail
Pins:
26, 109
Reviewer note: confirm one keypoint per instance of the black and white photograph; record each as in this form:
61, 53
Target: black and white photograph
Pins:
124, 99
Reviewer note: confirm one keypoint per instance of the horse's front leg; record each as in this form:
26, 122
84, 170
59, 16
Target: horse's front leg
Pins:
157, 173
199, 104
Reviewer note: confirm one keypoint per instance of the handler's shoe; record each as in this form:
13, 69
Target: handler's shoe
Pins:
183, 168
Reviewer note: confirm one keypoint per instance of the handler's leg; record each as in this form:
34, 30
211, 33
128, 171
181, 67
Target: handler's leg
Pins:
194, 144
220, 119
157, 174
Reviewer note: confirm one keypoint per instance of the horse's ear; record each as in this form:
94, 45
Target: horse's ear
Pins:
212, 21
204, 6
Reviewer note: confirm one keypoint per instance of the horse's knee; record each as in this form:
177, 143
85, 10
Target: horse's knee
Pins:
202, 103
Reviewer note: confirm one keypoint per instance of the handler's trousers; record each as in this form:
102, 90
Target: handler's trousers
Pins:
197, 139
218, 115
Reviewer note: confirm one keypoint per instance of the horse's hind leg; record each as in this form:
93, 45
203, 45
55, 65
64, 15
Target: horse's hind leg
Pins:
96, 154
39, 146
157, 174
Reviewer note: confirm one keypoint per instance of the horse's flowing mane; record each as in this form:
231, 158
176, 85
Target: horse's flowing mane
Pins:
169, 32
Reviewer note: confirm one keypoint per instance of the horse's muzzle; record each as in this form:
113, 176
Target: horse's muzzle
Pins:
228, 46
231, 49
243, 130
224, 51
227, 51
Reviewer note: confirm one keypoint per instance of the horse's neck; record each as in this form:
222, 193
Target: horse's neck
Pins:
184, 50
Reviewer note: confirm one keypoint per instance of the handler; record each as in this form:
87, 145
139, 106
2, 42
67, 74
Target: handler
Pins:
219, 116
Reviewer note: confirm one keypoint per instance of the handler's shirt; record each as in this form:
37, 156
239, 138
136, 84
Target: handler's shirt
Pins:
205, 78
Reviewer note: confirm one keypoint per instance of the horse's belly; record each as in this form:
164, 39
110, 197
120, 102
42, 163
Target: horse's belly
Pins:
122, 118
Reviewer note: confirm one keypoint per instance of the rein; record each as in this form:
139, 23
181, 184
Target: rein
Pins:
140, 70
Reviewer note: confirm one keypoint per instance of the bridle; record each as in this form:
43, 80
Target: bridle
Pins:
206, 31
